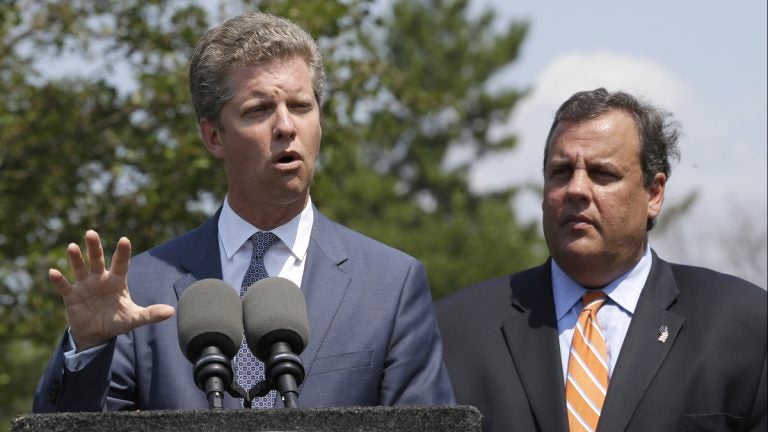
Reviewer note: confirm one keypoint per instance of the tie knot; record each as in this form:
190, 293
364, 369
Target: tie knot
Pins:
593, 300
262, 241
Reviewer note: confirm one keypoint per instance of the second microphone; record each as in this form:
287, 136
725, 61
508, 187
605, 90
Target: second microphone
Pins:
277, 330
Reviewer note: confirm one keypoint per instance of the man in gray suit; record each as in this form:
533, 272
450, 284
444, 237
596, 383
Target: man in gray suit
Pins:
256, 83
653, 346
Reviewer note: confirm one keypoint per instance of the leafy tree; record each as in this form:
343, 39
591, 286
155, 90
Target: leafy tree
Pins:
425, 99
115, 147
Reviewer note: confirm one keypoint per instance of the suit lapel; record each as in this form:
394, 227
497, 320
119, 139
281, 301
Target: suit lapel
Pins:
196, 253
642, 353
199, 257
531, 337
324, 284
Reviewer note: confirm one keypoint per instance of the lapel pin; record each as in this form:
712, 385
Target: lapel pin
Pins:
663, 334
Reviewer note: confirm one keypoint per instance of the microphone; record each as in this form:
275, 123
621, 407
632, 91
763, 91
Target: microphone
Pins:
277, 330
210, 330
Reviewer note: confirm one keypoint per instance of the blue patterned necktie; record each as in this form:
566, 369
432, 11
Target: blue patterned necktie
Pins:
248, 369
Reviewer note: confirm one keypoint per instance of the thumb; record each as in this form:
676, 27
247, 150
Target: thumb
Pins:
155, 313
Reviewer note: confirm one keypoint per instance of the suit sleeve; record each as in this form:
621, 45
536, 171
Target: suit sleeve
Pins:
758, 420
61, 390
414, 372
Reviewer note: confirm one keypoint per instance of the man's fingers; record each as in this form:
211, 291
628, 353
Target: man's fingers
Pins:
121, 257
76, 262
95, 252
59, 281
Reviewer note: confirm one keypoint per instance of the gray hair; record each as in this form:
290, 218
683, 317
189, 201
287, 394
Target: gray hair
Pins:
250, 39
657, 130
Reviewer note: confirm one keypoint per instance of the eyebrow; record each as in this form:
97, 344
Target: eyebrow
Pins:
560, 161
265, 97
604, 164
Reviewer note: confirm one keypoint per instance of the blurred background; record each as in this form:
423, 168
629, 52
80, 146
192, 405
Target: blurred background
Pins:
434, 126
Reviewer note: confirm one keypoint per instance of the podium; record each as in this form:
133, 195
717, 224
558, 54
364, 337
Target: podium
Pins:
461, 418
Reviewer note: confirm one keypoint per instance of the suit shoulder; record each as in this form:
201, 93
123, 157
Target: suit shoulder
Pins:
165, 260
721, 294
487, 291
366, 245
188, 241
490, 292
720, 284
721, 302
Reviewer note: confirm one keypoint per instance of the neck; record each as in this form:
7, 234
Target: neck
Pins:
597, 272
268, 216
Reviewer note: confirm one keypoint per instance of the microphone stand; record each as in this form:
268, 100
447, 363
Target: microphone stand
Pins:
213, 374
284, 372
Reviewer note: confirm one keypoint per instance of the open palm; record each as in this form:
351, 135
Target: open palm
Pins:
98, 304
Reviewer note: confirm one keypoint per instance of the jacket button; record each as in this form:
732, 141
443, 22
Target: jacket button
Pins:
53, 392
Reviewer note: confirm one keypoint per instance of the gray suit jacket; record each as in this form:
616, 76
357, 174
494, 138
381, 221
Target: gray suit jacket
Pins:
502, 353
373, 335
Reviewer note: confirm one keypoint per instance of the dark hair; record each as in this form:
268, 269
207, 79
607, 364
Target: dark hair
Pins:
245, 40
657, 130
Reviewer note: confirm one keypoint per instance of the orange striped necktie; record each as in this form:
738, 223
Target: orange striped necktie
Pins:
587, 379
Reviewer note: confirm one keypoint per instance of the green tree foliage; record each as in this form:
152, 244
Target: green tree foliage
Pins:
414, 96
113, 144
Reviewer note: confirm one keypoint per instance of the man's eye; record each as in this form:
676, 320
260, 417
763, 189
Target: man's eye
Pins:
301, 107
257, 110
559, 172
603, 176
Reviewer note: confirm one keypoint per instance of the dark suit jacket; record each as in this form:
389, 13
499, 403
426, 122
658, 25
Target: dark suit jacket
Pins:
501, 346
373, 335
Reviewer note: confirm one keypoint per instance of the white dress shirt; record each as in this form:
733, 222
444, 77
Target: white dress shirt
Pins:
613, 317
285, 258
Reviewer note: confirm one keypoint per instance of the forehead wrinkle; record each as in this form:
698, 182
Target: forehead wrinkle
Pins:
271, 73
560, 156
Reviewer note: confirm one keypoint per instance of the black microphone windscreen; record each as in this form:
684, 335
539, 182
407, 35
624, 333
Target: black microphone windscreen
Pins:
209, 313
274, 311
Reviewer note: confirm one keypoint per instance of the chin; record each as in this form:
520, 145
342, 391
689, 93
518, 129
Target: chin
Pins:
291, 195
582, 247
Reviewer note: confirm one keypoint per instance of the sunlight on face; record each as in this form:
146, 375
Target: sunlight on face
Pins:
596, 206
269, 137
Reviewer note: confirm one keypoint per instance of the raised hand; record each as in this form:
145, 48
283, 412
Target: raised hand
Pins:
98, 304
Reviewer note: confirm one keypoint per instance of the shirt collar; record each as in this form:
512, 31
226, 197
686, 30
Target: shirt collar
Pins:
624, 290
235, 231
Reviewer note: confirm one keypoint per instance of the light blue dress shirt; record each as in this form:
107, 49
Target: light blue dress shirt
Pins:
613, 317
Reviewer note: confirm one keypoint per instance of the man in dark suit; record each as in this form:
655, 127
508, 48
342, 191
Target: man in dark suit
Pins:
256, 83
606, 335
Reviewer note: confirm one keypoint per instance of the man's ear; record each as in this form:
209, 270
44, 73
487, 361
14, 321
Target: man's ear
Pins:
211, 135
656, 195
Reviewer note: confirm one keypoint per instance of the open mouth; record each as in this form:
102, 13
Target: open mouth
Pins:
287, 161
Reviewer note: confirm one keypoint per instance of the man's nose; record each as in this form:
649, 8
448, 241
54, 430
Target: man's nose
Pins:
284, 127
579, 185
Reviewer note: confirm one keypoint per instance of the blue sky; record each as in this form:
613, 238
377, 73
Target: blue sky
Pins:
705, 61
